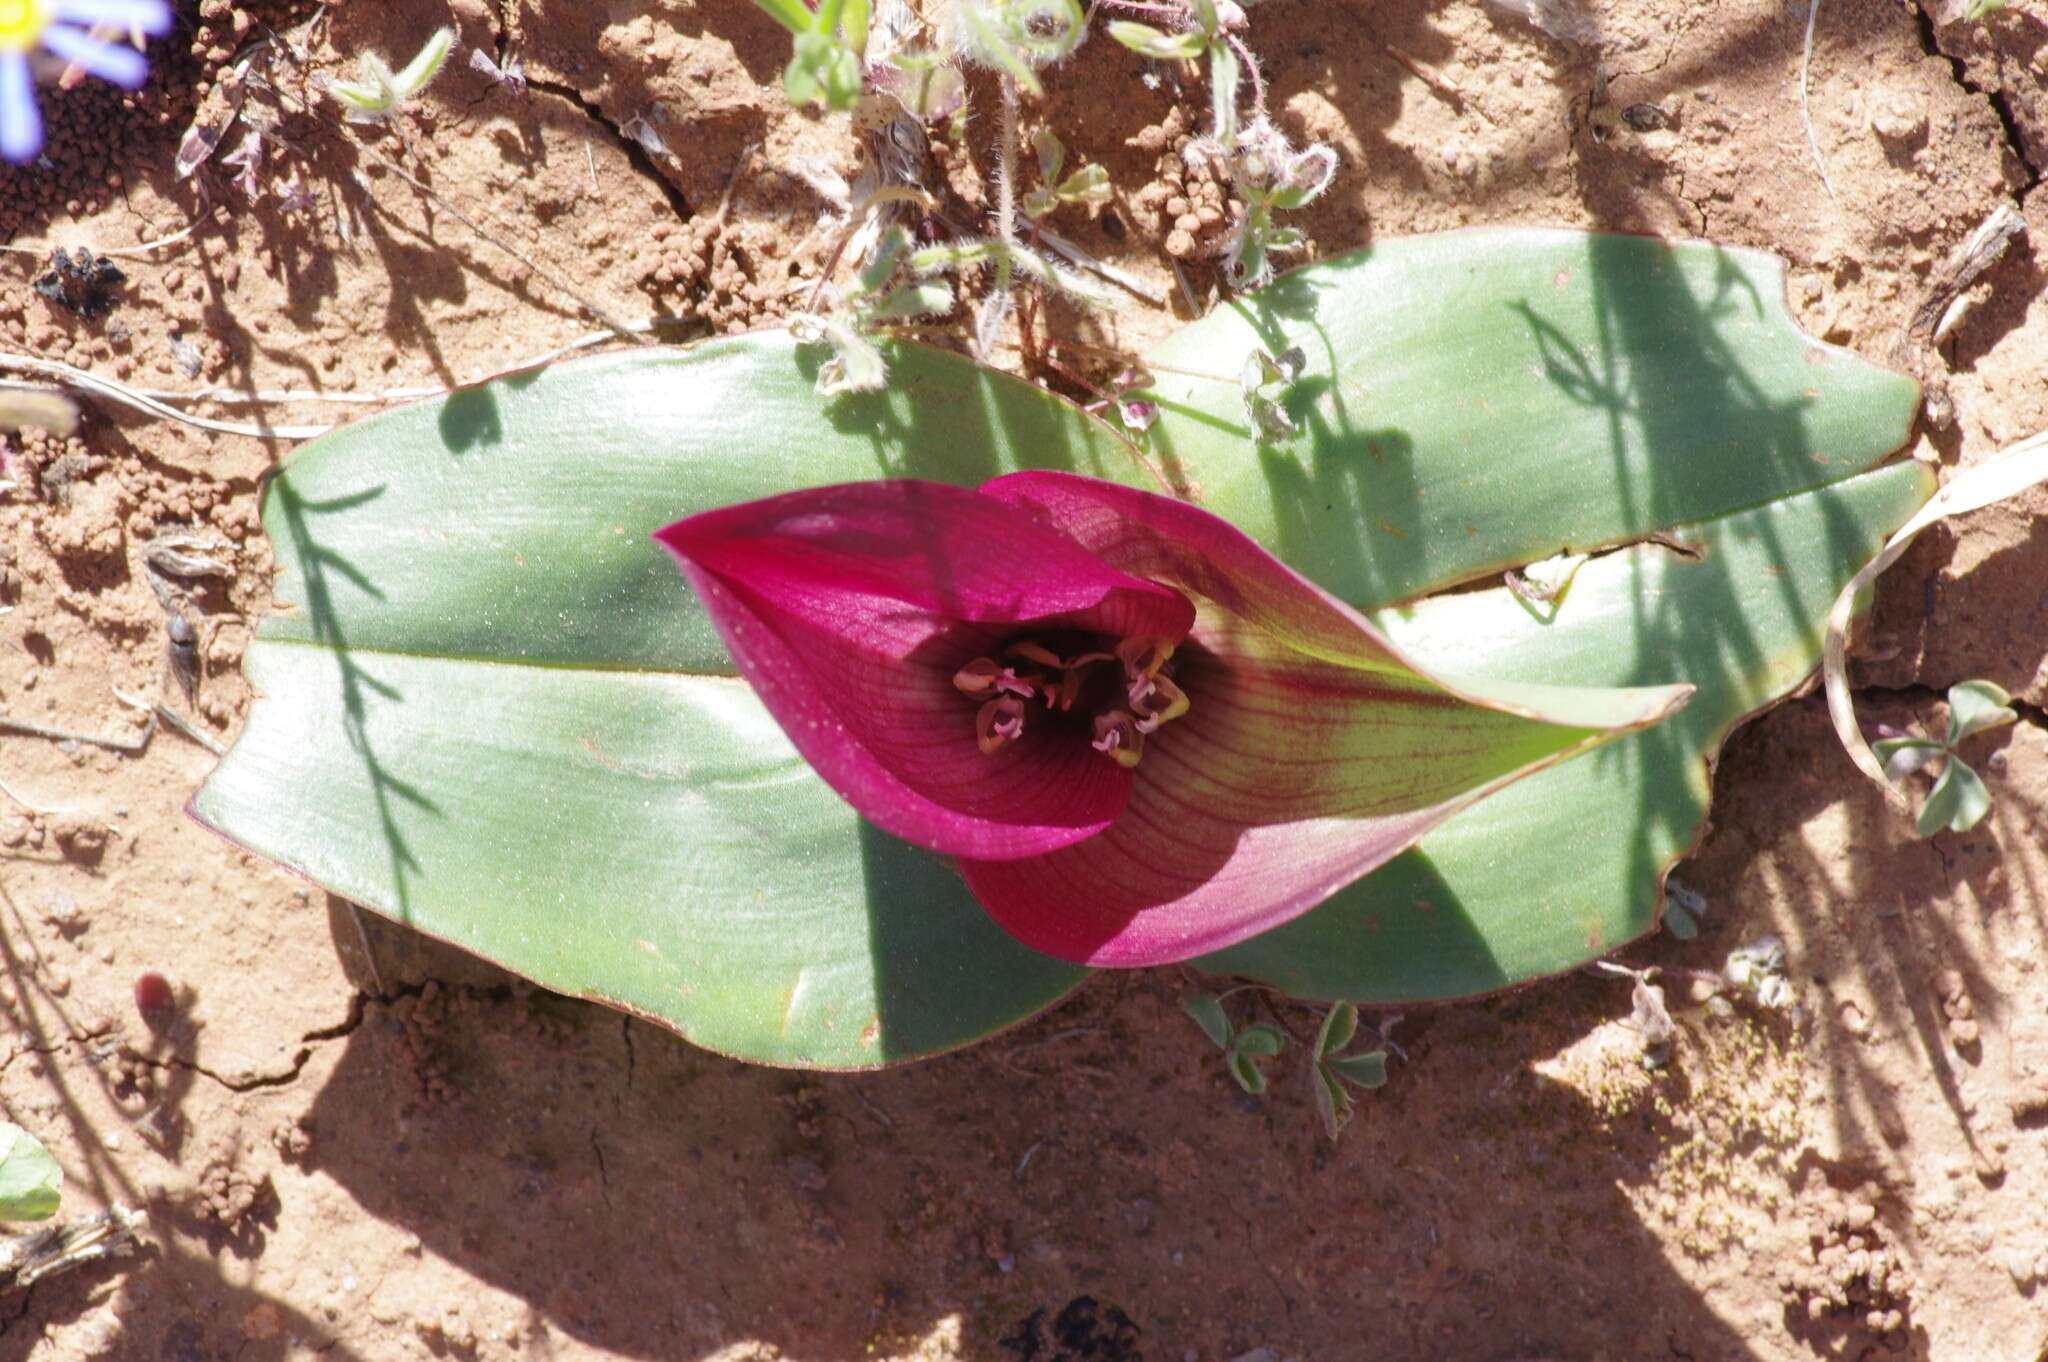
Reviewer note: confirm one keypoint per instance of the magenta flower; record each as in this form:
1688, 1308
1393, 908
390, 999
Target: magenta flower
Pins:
1142, 736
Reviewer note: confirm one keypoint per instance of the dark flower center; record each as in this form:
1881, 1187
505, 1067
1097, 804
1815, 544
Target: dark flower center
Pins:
1124, 692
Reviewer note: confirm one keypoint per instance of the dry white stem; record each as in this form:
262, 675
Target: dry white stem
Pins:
2005, 474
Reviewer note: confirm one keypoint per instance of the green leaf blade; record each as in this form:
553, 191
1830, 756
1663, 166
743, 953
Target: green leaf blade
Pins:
514, 728
1566, 864
1478, 400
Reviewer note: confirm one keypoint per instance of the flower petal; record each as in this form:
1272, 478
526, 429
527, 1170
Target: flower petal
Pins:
850, 608
21, 123
1312, 754
122, 66
147, 16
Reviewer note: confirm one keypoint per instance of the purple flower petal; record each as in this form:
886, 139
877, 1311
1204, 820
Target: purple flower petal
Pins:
122, 66
850, 608
1312, 753
149, 16
21, 123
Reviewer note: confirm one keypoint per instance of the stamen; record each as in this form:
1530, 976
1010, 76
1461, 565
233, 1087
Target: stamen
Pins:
999, 721
1033, 652
984, 677
1143, 656
1029, 668
1164, 702
978, 678
1117, 737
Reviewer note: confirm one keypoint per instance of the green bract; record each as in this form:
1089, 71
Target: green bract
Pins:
490, 709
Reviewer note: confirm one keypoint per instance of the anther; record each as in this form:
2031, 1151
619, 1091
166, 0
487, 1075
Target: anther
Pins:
999, 721
1118, 737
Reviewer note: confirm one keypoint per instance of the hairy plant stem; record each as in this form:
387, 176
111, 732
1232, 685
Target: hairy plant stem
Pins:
1006, 183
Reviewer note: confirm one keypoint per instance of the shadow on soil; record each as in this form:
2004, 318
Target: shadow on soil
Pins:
654, 1201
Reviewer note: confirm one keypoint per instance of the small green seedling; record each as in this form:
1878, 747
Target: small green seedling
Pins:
856, 365
1977, 9
1265, 379
1959, 799
381, 94
1242, 1050
1205, 29
1088, 186
1683, 910
1758, 969
29, 1178
831, 46
1332, 1071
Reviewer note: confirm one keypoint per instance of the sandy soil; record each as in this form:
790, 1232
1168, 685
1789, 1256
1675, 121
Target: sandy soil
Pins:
445, 1163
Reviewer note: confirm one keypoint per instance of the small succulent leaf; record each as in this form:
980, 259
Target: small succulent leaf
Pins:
1248, 1074
1205, 15
823, 68
1037, 203
1977, 9
882, 261
1367, 1070
1052, 153
1340, 1024
926, 299
1259, 1039
1150, 42
425, 65
1681, 923
825, 19
1976, 707
1333, 1103
800, 83
1957, 803
30, 1180
853, 26
1088, 186
1903, 756
1207, 1010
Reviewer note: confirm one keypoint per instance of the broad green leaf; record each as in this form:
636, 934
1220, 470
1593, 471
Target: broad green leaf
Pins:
1208, 1013
491, 708
1976, 707
1957, 803
1478, 400
30, 1179
1567, 864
